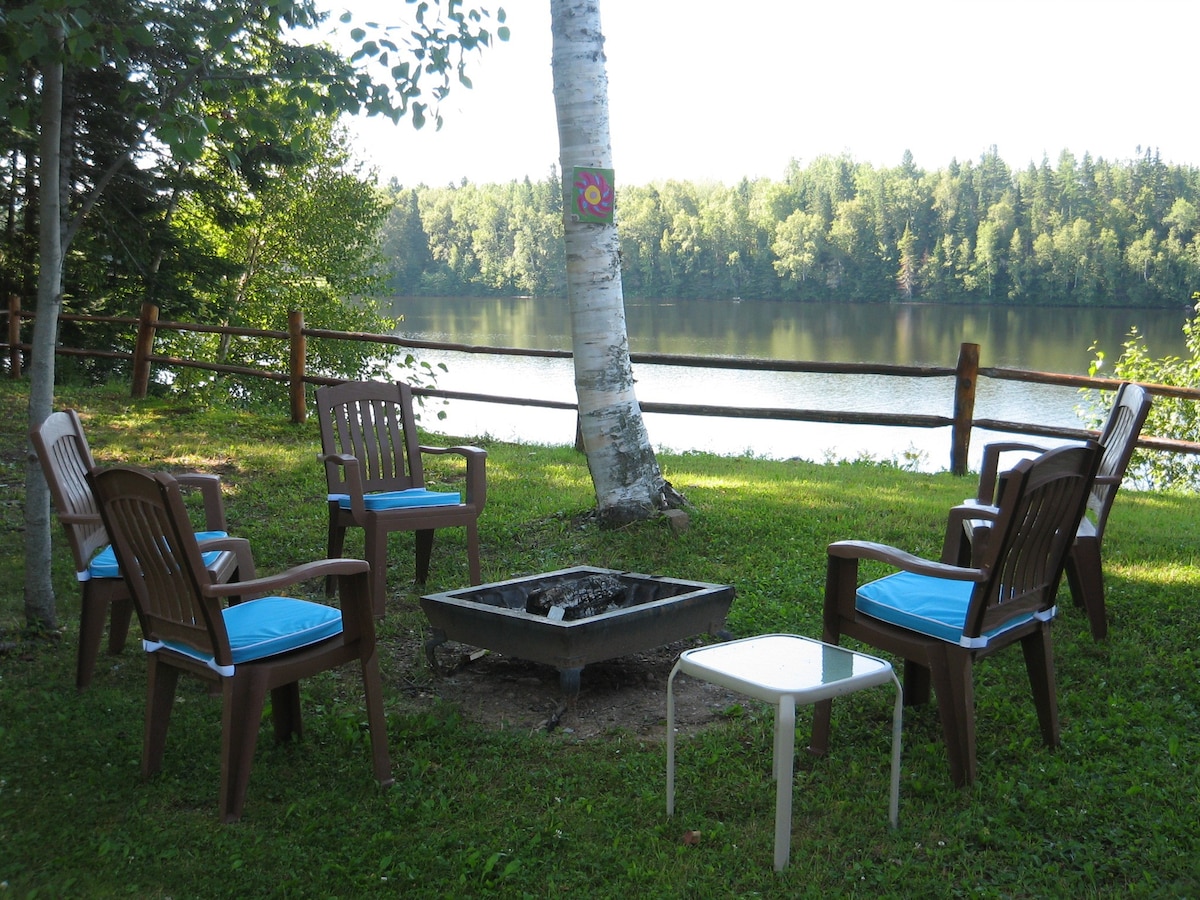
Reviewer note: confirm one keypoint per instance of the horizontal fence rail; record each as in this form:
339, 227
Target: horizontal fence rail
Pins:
965, 375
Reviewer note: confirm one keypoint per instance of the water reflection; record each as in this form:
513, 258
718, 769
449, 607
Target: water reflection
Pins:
914, 334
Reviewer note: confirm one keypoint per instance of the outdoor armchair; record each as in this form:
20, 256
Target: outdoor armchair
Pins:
267, 642
65, 457
376, 478
940, 618
1118, 439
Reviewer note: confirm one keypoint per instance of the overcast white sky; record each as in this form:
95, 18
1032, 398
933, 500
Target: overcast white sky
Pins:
714, 89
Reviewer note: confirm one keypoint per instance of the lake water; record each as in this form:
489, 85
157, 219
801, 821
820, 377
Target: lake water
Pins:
1052, 340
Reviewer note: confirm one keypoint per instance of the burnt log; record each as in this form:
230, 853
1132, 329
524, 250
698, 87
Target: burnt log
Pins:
578, 598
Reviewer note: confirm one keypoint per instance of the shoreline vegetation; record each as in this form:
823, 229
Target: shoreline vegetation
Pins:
1075, 231
493, 811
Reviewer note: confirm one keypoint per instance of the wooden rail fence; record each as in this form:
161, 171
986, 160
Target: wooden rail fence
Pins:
964, 374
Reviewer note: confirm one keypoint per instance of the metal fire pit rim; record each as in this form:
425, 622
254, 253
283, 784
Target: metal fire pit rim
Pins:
574, 570
454, 598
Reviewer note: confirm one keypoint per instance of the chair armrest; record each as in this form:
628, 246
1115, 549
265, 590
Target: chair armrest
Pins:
69, 518
958, 544
349, 482
209, 487
270, 583
476, 459
901, 559
240, 548
333, 460
991, 461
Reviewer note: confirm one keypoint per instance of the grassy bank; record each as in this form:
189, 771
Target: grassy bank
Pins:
487, 812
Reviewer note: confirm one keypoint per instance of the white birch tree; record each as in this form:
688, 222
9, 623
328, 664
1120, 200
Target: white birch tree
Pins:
625, 472
39, 593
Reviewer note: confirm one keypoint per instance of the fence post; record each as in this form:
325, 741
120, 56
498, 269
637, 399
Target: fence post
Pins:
965, 377
297, 353
147, 319
14, 336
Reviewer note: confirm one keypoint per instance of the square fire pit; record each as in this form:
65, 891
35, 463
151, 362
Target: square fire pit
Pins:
520, 617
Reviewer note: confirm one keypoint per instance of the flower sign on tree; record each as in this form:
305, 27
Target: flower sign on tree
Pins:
592, 190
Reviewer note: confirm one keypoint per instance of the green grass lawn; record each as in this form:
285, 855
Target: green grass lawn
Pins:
487, 812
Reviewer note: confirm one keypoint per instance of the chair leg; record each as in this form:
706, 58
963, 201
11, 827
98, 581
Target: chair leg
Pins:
473, 553
99, 600
1039, 663
91, 634
1086, 578
916, 683
950, 668
161, 681
376, 721
818, 744
244, 696
335, 541
424, 539
118, 624
285, 712
375, 550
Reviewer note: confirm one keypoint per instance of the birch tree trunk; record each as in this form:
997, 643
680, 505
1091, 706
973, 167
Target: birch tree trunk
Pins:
39, 589
629, 484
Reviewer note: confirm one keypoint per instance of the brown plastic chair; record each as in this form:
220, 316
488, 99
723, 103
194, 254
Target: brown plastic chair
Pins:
941, 617
1118, 439
375, 475
62, 449
264, 643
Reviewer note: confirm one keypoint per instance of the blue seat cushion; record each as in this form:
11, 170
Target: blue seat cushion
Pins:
936, 607
413, 497
270, 626
104, 563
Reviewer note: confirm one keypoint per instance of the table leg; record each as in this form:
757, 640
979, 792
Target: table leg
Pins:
785, 750
671, 740
897, 727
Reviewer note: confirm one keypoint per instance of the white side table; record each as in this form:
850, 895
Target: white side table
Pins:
785, 669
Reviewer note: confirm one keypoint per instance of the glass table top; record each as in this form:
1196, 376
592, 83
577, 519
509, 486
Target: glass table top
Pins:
785, 663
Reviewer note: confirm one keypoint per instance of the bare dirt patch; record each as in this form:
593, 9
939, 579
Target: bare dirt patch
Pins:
627, 694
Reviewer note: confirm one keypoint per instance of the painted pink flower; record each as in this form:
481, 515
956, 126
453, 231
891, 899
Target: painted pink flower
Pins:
593, 195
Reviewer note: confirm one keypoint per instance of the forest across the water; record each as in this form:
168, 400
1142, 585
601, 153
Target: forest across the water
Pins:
1078, 232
